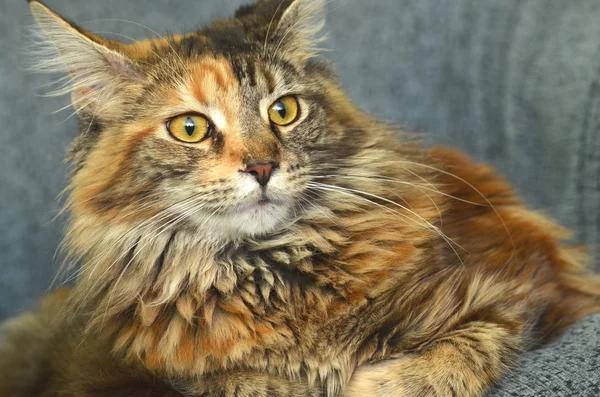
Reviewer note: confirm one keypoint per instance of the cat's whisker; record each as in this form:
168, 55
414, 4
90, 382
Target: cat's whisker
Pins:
139, 230
398, 181
269, 28
146, 205
214, 212
396, 213
174, 222
451, 243
420, 188
473, 188
159, 199
337, 189
318, 208
126, 252
69, 204
402, 198
161, 214
437, 208
113, 34
382, 199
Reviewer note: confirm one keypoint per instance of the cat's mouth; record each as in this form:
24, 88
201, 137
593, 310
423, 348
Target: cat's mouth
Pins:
264, 203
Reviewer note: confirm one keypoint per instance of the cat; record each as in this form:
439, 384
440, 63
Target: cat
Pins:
242, 229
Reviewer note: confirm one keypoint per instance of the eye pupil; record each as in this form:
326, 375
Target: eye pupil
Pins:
190, 126
280, 108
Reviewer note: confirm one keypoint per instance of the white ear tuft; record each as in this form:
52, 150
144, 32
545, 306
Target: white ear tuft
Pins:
97, 73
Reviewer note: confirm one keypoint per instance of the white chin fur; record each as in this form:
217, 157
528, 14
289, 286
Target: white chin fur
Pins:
249, 222
248, 218
258, 220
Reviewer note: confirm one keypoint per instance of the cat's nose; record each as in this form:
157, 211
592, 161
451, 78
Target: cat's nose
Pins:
261, 170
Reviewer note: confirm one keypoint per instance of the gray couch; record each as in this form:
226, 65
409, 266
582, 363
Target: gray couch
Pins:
513, 82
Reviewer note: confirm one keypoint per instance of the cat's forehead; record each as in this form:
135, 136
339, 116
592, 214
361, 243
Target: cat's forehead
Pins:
219, 78
238, 48
211, 75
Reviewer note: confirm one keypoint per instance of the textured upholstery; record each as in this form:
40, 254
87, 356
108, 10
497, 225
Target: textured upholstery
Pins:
514, 82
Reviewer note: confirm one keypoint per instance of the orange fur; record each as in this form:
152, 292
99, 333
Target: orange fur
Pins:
364, 265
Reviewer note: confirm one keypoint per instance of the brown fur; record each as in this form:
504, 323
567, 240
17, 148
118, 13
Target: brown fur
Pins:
377, 268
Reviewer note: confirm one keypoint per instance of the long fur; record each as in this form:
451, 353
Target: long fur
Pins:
367, 266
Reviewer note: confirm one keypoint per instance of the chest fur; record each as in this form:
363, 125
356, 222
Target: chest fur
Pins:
288, 305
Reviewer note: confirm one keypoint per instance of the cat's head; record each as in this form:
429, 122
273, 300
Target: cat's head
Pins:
220, 129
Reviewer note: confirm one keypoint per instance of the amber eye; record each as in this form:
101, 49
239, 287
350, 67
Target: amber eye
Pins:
284, 111
190, 128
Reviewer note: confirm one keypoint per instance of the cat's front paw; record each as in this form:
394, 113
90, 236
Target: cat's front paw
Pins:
438, 373
401, 377
377, 380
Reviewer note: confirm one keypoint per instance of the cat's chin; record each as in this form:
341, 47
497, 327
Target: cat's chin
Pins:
256, 219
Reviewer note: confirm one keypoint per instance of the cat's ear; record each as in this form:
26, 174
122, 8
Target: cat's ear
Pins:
100, 74
299, 29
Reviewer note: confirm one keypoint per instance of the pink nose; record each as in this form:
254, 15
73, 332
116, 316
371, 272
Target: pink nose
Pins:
261, 170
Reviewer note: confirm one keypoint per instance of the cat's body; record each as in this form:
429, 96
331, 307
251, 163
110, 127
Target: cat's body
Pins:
319, 256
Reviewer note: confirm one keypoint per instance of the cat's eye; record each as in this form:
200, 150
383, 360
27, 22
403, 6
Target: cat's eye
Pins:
189, 128
284, 111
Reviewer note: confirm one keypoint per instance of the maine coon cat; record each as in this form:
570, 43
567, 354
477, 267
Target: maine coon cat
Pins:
242, 229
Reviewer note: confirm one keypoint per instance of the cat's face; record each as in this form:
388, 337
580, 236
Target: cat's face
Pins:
218, 130
224, 144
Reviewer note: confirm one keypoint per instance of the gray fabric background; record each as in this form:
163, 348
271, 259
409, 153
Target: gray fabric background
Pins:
514, 82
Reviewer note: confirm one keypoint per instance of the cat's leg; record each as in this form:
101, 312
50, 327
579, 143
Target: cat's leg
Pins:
252, 384
24, 348
123, 383
126, 391
465, 362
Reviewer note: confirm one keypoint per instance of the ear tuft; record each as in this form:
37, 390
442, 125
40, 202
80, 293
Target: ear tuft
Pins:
98, 71
299, 30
